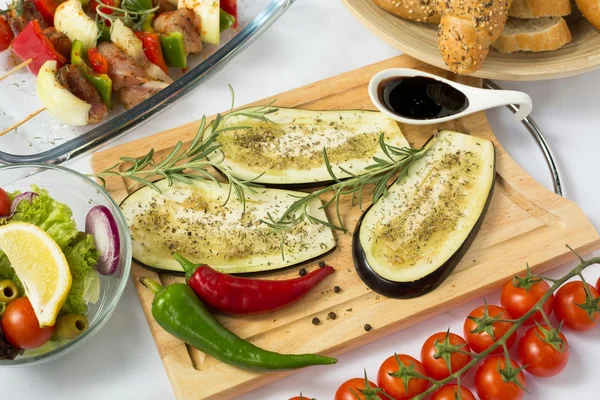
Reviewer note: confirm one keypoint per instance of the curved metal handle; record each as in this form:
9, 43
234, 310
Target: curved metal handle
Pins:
537, 134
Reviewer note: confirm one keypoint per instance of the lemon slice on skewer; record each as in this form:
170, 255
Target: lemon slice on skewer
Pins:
40, 265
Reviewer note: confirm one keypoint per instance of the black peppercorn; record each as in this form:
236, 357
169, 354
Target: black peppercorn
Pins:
367, 327
332, 315
302, 272
337, 289
316, 321
321, 264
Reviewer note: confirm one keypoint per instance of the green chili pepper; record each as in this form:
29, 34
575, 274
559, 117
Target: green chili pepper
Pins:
226, 20
174, 50
101, 82
177, 309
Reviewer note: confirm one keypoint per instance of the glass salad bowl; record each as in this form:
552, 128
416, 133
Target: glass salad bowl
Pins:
80, 193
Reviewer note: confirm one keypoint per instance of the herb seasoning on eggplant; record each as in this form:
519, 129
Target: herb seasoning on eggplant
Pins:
407, 243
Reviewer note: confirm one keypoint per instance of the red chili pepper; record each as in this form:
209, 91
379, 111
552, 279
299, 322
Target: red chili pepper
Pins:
153, 49
230, 7
47, 9
32, 44
98, 62
6, 35
241, 296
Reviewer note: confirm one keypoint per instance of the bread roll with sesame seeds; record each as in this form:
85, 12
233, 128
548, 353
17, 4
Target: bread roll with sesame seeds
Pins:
415, 10
467, 30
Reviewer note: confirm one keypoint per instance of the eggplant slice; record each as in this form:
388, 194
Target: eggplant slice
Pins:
192, 219
289, 150
407, 243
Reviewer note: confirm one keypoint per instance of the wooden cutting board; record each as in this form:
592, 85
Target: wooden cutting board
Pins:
525, 223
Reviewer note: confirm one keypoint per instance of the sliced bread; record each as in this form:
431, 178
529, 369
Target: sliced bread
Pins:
538, 34
539, 8
590, 10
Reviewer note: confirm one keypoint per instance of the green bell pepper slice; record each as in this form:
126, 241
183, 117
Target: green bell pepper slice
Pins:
101, 82
226, 20
104, 34
174, 50
148, 23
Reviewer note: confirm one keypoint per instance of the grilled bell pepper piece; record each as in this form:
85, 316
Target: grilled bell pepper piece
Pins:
101, 82
174, 50
226, 20
104, 34
32, 44
153, 49
230, 7
47, 8
242, 296
178, 311
148, 24
98, 62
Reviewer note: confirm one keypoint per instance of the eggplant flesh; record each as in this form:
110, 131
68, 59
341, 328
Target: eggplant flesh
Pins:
289, 149
194, 220
409, 242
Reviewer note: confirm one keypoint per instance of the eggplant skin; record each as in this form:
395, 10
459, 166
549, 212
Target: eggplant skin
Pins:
409, 290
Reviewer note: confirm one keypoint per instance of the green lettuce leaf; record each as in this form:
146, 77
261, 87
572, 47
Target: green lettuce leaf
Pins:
56, 219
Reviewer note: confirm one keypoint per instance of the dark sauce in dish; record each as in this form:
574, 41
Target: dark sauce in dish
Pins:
420, 97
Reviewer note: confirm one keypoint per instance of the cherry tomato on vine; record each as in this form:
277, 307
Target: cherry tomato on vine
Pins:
4, 203
451, 392
482, 328
570, 299
359, 389
494, 380
302, 397
403, 369
20, 326
544, 351
521, 294
440, 347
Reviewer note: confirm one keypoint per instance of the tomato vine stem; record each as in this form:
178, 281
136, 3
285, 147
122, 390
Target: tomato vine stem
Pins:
517, 323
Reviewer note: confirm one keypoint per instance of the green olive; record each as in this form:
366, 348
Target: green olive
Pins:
70, 326
8, 291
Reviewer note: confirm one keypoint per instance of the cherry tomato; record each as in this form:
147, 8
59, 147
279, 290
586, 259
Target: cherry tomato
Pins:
439, 344
491, 385
401, 365
450, 392
6, 35
359, 389
567, 309
4, 202
479, 337
518, 301
20, 326
302, 397
543, 359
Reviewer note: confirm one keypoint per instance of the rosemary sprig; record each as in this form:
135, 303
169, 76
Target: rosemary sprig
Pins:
191, 163
131, 12
379, 173
15, 5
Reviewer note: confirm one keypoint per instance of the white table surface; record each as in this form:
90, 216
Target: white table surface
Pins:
317, 39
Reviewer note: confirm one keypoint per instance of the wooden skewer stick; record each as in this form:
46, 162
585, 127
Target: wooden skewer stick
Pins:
15, 69
18, 124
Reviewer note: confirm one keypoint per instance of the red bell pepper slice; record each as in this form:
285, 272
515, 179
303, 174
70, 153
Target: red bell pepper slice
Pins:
47, 9
6, 35
98, 61
152, 49
230, 7
32, 44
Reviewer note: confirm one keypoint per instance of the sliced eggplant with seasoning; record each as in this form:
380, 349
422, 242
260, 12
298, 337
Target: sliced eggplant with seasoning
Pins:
193, 220
289, 149
407, 243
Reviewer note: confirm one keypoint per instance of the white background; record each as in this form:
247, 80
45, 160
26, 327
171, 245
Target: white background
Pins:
316, 39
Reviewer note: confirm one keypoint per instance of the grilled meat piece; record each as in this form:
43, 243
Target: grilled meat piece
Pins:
17, 21
61, 42
71, 78
185, 21
134, 95
122, 69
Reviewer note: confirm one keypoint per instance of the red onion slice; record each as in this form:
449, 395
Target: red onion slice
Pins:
25, 196
101, 224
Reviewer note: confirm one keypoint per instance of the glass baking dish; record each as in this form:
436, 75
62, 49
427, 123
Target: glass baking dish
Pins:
43, 140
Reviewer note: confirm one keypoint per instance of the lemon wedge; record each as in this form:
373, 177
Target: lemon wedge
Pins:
40, 265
